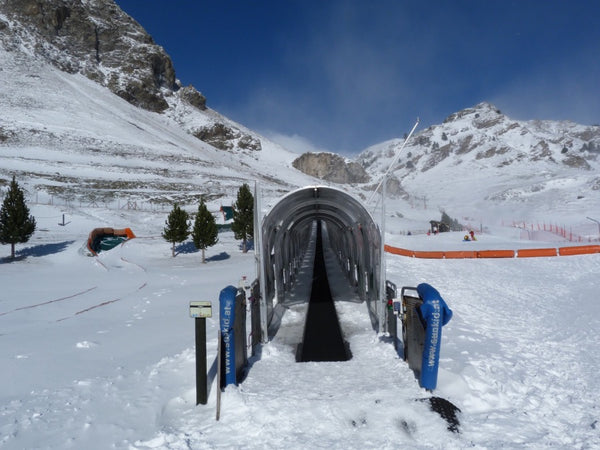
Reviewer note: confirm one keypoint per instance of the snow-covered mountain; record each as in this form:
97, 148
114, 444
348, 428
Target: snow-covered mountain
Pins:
91, 109
69, 127
480, 159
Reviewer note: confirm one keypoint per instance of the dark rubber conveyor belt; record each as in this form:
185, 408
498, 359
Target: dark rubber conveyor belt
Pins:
323, 340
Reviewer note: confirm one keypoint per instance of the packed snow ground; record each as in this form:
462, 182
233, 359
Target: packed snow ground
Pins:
99, 352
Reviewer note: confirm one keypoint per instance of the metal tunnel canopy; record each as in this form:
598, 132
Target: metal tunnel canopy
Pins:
286, 232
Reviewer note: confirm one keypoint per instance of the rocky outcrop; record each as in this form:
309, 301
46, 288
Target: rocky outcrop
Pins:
96, 38
193, 97
331, 167
223, 137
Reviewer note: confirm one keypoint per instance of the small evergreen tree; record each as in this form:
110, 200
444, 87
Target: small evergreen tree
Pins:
16, 225
205, 232
177, 228
453, 224
243, 216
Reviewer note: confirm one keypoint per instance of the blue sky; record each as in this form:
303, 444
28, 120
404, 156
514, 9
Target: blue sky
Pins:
341, 75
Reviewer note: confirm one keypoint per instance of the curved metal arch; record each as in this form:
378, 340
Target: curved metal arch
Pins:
353, 236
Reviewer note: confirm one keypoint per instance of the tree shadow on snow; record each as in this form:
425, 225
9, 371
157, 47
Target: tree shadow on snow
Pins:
220, 257
186, 247
37, 251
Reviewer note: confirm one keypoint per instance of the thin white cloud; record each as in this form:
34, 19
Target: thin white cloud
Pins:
294, 143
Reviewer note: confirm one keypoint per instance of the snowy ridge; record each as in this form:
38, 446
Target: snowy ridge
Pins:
67, 136
482, 160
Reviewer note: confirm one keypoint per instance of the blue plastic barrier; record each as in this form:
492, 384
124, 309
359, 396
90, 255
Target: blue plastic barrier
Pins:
436, 314
227, 320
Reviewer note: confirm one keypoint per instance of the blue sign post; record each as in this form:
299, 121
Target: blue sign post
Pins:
227, 320
436, 314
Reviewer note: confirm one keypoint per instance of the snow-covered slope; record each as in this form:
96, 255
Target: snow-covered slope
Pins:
66, 136
481, 162
99, 352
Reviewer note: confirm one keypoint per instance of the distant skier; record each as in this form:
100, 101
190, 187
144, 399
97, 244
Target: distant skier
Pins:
466, 238
472, 233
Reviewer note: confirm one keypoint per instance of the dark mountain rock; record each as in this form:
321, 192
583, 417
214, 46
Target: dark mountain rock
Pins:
193, 97
96, 38
331, 167
223, 137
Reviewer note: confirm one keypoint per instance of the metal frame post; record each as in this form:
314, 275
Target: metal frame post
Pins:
201, 376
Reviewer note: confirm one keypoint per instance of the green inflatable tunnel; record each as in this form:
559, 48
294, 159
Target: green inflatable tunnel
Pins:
103, 239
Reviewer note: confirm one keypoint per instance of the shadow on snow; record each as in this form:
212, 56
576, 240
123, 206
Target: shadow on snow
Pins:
37, 251
189, 247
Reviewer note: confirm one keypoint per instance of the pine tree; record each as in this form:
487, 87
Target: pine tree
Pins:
16, 225
177, 228
205, 232
453, 224
243, 216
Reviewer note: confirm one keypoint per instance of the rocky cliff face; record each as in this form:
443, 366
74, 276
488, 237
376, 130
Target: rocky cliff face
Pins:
331, 167
96, 38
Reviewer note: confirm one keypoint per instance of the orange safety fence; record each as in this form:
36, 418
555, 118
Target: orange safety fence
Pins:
580, 250
398, 251
429, 255
522, 253
496, 254
461, 254
536, 252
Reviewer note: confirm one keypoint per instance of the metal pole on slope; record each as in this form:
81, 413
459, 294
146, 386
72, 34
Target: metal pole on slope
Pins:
201, 377
218, 412
200, 311
382, 267
258, 250
598, 222
394, 161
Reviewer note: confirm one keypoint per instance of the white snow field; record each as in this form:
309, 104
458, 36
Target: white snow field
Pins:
98, 352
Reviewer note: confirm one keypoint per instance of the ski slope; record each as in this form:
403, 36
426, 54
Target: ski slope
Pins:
99, 352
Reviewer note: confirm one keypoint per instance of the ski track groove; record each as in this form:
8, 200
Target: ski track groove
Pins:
107, 302
50, 301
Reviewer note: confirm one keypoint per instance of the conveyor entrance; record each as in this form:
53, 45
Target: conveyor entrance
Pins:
283, 236
322, 339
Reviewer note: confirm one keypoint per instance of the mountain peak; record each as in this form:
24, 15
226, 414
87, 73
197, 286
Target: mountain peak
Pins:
480, 147
481, 109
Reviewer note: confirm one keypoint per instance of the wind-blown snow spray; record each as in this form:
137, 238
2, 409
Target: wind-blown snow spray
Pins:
436, 314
